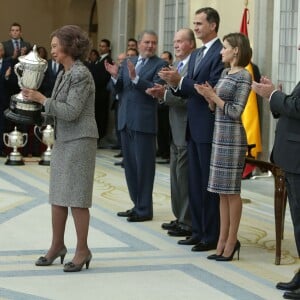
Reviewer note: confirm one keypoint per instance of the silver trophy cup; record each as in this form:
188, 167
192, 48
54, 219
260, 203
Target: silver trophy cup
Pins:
15, 139
48, 139
30, 72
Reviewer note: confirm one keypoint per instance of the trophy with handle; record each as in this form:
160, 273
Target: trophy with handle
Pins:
15, 139
48, 139
30, 72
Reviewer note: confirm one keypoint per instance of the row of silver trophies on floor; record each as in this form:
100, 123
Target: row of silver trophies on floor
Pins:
30, 72
17, 139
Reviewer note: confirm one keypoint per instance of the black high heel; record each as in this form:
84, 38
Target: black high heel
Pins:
71, 267
214, 256
44, 261
237, 248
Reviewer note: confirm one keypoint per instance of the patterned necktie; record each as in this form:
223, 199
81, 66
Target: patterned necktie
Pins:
199, 58
17, 45
179, 67
139, 65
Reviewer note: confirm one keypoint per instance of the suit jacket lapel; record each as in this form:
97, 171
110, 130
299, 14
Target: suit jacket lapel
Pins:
59, 83
204, 59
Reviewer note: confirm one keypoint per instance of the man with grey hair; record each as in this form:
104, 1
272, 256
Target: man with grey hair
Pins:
137, 122
184, 43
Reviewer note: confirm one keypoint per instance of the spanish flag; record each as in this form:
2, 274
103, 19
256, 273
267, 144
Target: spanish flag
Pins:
250, 116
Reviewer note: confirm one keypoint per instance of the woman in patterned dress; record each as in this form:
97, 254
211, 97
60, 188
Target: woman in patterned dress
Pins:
229, 146
74, 151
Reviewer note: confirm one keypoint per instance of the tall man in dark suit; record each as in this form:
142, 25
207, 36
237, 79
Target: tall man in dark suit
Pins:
50, 77
138, 123
184, 43
204, 65
13, 48
286, 108
101, 79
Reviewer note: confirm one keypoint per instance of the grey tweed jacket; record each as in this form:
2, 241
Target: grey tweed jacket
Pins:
72, 104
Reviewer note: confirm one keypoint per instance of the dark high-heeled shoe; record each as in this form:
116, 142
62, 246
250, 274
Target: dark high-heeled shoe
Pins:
237, 248
214, 256
44, 261
71, 267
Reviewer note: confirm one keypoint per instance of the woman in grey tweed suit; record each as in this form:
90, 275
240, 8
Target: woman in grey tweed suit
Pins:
73, 158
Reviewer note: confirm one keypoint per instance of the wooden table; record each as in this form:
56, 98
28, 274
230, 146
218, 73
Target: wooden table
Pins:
280, 199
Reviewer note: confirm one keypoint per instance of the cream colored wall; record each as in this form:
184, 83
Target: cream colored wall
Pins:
40, 18
230, 12
140, 17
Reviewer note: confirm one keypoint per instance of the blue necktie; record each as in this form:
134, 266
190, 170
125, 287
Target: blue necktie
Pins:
139, 65
179, 67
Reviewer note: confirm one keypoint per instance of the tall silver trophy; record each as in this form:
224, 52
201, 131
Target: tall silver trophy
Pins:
30, 72
15, 139
48, 139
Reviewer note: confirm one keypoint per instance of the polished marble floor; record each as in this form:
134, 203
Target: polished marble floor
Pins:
133, 260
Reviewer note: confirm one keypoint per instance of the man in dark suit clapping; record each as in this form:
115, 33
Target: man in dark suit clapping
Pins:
286, 108
138, 123
204, 65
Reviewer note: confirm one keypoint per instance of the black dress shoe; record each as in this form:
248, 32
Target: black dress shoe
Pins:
136, 218
201, 246
119, 163
290, 286
170, 226
292, 294
179, 232
189, 241
119, 155
126, 213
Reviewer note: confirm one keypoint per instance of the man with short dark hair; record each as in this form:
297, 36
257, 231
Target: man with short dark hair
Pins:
285, 154
102, 96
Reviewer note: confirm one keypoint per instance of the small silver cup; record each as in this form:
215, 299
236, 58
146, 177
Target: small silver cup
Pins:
48, 139
15, 139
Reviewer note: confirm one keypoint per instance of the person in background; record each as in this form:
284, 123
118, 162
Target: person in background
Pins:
285, 154
115, 106
228, 100
163, 132
205, 64
132, 43
101, 79
13, 48
5, 72
93, 56
132, 52
184, 43
74, 150
138, 123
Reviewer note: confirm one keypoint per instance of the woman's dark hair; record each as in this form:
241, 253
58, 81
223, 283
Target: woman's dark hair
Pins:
73, 40
240, 41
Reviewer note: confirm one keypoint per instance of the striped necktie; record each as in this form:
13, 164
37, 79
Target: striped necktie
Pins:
140, 63
199, 58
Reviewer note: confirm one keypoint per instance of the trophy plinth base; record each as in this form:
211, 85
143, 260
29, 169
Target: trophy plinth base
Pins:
23, 112
45, 159
44, 162
15, 160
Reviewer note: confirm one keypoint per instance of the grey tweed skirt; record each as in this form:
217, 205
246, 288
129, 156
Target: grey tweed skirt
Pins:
72, 171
